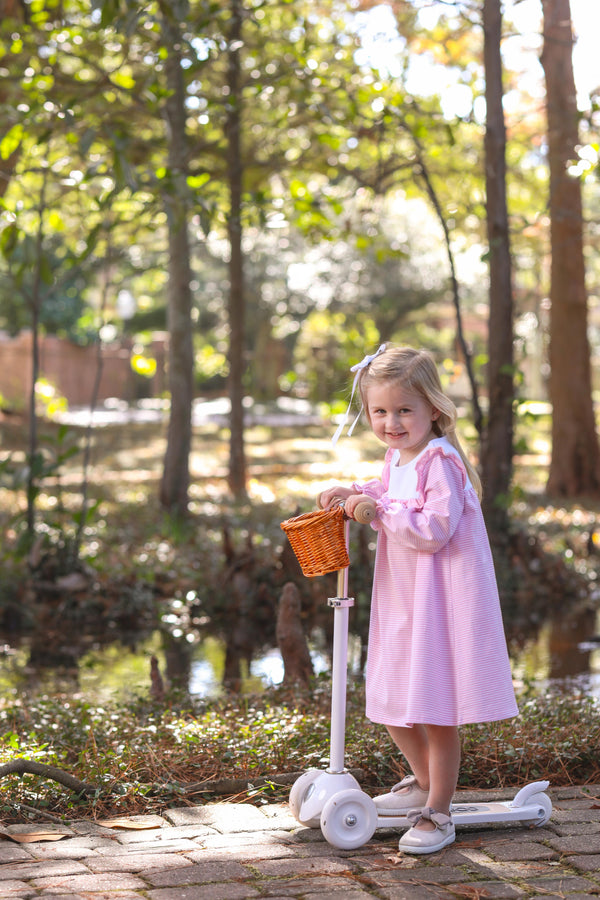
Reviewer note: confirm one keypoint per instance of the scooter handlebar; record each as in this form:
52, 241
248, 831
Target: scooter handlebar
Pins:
365, 512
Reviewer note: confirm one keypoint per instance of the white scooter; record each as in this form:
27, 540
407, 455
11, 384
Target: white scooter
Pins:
333, 799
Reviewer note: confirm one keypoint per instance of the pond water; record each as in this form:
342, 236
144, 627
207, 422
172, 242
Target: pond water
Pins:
564, 653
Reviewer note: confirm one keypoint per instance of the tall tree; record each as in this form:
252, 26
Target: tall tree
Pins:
175, 478
497, 446
575, 464
237, 311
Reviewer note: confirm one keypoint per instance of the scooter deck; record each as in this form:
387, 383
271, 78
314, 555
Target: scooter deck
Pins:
477, 814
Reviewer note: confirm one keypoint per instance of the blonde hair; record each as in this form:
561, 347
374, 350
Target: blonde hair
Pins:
417, 372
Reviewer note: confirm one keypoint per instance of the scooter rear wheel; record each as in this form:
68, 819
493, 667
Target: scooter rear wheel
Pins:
545, 804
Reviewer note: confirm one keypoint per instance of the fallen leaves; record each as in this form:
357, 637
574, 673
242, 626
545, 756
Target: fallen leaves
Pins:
23, 835
32, 837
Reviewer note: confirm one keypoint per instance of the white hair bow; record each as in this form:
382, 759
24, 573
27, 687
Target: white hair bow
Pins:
357, 369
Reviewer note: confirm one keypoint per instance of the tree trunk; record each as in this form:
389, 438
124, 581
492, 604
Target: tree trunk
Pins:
497, 445
35, 304
575, 464
175, 477
237, 312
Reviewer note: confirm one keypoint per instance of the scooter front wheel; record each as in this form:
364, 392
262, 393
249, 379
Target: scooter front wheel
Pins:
532, 795
349, 819
299, 792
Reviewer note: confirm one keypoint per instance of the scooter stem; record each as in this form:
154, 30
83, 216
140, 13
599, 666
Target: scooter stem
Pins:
339, 669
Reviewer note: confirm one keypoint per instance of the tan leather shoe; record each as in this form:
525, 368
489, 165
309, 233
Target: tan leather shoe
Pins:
421, 840
403, 797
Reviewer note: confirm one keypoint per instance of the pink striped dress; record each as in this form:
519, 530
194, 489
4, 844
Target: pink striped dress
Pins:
437, 650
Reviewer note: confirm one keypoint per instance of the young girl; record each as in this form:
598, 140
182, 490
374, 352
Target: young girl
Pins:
437, 654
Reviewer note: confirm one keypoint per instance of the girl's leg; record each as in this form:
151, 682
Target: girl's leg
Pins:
433, 754
444, 764
413, 743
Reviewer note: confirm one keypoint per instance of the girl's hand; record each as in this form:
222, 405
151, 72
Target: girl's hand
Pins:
333, 496
361, 508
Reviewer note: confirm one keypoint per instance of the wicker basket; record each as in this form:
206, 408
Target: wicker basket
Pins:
318, 540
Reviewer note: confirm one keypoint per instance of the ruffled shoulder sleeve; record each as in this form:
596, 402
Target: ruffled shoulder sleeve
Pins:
436, 455
428, 520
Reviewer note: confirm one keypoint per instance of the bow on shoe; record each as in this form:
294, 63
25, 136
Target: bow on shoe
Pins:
438, 819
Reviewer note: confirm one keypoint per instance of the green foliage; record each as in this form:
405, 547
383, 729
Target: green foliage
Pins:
49, 402
143, 365
210, 367
315, 123
553, 738
40, 476
146, 320
328, 344
58, 291
140, 754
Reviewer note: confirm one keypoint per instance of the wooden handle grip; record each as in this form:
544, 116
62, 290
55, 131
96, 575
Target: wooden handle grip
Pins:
365, 512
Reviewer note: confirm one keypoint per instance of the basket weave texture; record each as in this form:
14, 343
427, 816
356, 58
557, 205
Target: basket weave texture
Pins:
318, 540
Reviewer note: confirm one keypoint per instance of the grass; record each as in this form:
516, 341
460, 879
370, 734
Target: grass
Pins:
142, 756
